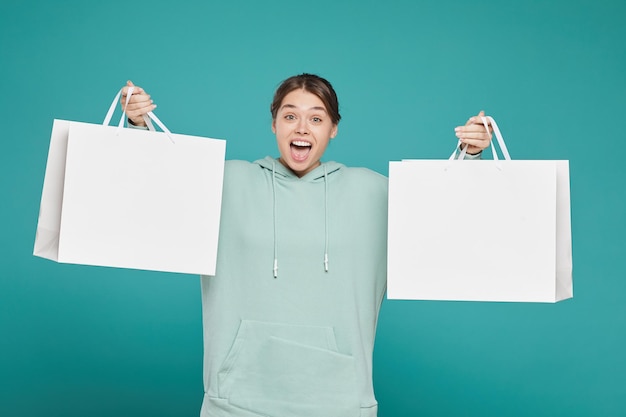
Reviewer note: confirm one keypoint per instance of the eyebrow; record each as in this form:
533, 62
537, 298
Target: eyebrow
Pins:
291, 106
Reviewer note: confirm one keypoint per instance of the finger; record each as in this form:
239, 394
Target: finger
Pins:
139, 101
472, 128
136, 101
480, 144
129, 83
140, 98
140, 109
478, 119
136, 89
474, 136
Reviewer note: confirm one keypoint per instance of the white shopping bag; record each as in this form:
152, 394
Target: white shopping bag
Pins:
488, 230
131, 198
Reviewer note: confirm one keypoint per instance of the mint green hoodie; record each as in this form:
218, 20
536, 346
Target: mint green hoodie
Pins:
290, 316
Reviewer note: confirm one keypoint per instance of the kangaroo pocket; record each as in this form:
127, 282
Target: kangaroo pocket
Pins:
283, 370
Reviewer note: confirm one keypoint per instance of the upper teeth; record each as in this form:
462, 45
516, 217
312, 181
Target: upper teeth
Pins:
300, 143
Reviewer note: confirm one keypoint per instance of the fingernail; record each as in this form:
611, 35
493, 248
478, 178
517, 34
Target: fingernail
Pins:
457, 129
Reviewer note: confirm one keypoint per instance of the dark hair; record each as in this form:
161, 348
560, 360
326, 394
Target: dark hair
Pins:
313, 84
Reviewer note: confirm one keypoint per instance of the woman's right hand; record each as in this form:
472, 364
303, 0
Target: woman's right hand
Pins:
139, 104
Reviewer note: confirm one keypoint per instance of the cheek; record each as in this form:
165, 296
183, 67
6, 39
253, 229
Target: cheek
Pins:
280, 129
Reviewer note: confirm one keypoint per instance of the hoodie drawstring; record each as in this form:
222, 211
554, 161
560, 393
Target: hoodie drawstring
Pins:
274, 214
326, 232
325, 220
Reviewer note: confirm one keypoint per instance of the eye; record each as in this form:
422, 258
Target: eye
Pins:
290, 117
316, 119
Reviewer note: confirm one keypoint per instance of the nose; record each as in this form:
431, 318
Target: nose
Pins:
302, 128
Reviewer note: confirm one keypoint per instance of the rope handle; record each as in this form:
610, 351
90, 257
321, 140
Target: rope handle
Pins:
148, 117
496, 130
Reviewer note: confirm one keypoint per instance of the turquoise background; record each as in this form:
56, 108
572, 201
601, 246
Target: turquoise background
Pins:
87, 341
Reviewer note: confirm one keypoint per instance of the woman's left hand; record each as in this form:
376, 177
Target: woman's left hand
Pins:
473, 134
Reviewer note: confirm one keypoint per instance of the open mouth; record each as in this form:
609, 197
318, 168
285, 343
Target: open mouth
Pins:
300, 149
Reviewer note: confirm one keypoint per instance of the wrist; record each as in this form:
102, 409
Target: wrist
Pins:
138, 123
471, 150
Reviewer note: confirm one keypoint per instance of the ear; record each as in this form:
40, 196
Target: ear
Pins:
333, 132
274, 126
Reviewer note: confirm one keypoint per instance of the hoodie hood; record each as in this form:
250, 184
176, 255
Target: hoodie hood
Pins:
280, 172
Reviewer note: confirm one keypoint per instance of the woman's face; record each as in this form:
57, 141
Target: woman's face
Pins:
303, 129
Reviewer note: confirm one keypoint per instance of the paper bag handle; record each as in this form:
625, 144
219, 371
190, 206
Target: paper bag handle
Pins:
146, 117
499, 138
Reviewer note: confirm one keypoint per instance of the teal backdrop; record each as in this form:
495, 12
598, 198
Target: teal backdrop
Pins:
87, 341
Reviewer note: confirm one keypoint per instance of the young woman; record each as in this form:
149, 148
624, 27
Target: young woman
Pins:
290, 317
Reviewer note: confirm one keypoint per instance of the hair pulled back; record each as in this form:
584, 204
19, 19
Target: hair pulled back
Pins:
313, 84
